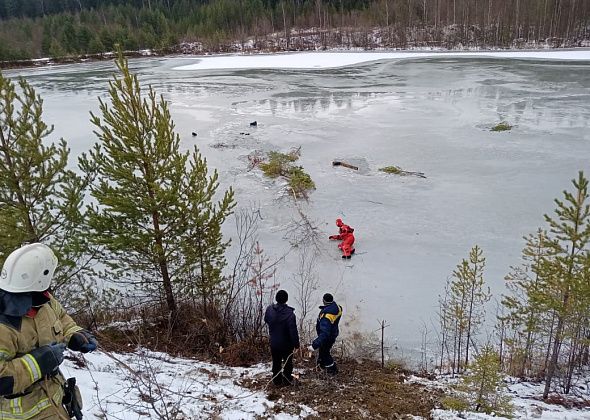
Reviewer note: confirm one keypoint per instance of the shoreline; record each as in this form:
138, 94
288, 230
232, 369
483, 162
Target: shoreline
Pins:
83, 58
179, 52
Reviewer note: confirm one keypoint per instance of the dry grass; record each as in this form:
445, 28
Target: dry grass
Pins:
361, 390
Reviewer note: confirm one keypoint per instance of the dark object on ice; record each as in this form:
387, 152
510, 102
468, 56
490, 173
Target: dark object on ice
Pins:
418, 174
253, 124
346, 165
194, 134
245, 134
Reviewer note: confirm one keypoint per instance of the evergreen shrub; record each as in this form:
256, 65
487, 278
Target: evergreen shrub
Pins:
300, 181
280, 164
502, 126
396, 170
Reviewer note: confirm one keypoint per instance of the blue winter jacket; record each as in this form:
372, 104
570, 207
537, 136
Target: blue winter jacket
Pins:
282, 327
327, 325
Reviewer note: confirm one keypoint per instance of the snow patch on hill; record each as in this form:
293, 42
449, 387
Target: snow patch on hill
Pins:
138, 385
526, 399
324, 60
135, 385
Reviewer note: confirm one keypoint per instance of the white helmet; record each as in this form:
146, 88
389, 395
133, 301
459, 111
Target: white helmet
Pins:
28, 269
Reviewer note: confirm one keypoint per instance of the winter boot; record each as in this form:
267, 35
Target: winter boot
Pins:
332, 370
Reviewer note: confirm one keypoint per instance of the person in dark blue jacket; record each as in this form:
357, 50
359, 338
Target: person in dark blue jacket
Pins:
284, 338
327, 330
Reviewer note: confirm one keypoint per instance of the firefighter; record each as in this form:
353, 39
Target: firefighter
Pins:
34, 332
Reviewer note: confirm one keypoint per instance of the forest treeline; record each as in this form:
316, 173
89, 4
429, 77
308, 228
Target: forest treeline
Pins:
56, 28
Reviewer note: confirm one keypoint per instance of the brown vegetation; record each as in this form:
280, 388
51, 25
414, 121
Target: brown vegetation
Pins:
361, 390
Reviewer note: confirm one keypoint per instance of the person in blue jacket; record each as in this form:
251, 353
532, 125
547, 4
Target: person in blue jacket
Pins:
284, 338
327, 330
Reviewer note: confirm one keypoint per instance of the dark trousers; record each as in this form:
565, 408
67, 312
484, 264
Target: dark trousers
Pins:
325, 359
282, 358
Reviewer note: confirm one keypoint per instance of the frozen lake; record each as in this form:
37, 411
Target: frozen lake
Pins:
429, 114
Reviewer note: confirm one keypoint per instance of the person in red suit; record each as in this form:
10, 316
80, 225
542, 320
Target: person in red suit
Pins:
346, 236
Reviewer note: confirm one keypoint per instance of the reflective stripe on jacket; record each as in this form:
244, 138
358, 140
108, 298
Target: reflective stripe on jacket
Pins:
24, 394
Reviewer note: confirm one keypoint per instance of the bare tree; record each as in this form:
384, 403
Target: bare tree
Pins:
306, 284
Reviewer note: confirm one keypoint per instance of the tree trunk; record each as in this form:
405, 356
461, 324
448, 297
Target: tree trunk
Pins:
285, 25
571, 363
163, 264
527, 353
554, 353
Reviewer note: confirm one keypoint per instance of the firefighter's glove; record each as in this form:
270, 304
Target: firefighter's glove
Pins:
48, 358
82, 341
332, 237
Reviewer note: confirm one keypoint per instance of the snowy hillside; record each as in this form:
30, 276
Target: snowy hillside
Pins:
142, 384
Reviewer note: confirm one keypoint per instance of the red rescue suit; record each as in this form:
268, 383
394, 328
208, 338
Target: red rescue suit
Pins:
346, 236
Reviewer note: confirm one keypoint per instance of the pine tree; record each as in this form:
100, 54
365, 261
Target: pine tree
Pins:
203, 243
571, 232
154, 202
40, 199
526, 320
584, 310
464, 309
445, 319
484, 385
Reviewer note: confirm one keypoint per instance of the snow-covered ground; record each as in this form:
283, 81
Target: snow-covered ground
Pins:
526, 400
135, 385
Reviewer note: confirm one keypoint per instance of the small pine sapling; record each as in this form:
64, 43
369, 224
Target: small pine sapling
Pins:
482, 388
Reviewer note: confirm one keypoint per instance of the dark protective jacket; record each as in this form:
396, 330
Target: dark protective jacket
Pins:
282, 327
327, 325
24, 393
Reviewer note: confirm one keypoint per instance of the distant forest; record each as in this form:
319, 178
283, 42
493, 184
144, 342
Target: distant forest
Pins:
57, 28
